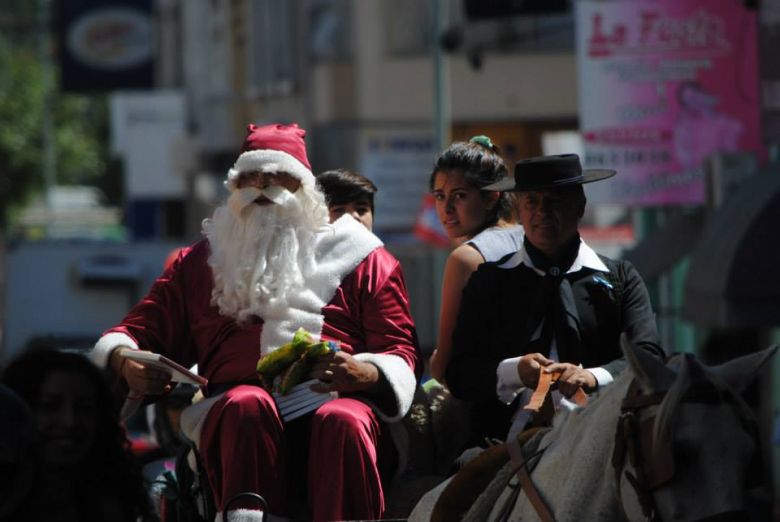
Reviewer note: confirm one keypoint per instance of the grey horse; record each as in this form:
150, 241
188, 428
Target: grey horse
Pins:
695, 446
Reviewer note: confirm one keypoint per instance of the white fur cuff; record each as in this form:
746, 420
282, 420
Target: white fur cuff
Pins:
107, 344
401, 379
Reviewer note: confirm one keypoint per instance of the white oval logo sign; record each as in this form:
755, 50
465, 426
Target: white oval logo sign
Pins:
112, 39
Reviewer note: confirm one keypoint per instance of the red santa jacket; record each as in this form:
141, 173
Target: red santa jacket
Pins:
368, 313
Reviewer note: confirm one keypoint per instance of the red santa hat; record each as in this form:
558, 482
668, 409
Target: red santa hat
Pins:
273, 148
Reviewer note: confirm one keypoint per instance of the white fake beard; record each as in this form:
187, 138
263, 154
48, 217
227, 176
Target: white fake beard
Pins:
262, 255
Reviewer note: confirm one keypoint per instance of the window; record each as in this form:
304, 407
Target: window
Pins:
273, 65
409, 26
329, 30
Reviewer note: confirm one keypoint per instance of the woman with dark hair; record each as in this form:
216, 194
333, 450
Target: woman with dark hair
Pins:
84, 470
483, 221
348, 192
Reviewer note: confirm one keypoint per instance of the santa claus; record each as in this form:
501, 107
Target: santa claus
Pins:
270, 263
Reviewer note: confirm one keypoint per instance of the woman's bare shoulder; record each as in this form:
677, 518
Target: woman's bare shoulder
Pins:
465, 257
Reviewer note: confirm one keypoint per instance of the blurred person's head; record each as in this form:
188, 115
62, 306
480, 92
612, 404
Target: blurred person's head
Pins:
551, 199
348, 192
77, 434
459, 174
262, 240
74, 418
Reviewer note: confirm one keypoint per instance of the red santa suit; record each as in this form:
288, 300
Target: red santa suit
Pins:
357, 297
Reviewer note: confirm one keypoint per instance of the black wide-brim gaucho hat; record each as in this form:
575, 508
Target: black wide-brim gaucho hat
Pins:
549, 172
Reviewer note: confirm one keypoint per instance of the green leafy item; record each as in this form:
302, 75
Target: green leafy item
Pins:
277, 361
292, 360
301, 367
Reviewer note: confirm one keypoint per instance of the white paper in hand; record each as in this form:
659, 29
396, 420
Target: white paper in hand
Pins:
178, 372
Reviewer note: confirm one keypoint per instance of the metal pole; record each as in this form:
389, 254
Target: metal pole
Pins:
47, 122
441, 122
440, 77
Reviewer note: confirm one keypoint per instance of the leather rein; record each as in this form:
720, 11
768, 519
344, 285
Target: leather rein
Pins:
540, 403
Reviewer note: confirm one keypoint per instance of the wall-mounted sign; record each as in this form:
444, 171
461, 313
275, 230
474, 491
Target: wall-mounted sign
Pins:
106, 45
147, 129
664, 85
399, 162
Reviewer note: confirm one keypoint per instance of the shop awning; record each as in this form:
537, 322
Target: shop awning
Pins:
734, 276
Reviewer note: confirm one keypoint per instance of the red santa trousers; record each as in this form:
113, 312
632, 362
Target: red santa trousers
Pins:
244, 448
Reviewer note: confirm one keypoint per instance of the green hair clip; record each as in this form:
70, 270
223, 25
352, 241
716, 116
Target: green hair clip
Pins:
482, 140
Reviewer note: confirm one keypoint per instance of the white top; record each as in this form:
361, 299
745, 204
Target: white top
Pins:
496, 242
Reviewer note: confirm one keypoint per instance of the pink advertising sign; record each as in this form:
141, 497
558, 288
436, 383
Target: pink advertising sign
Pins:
664, 84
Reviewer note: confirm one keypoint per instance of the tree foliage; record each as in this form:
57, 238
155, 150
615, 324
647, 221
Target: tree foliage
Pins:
78, 124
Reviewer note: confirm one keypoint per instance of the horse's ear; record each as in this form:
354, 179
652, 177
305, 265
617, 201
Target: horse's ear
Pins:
652, 374
739, 372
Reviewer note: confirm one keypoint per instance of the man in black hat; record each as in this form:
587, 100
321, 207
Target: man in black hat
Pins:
554, 304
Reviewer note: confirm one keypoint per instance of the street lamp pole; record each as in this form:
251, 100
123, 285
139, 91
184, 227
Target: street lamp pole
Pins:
47, 120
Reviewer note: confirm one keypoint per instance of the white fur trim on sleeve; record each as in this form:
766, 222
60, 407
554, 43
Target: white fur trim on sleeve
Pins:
107, 344
401, 379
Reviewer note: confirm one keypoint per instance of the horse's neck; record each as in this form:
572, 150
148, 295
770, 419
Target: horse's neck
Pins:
586, 426
575, 469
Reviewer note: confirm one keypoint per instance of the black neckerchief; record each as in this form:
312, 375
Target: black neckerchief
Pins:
566, 257
554, 314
